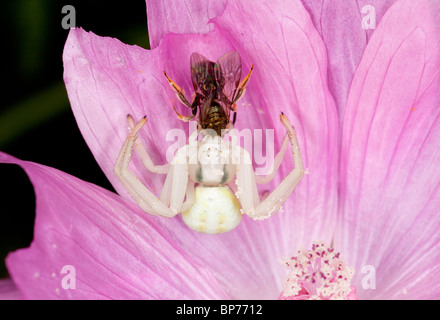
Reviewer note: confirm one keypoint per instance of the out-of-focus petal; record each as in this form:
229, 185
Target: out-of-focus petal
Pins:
8, 290
109, 247
390, 177
180, 16
340, 25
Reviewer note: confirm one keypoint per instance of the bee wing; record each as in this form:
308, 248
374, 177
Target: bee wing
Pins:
201, 70
228, 73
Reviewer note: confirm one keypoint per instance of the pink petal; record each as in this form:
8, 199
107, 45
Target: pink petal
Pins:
116, 251
105, 81
340, 25
390, 186
8, 290
180, 16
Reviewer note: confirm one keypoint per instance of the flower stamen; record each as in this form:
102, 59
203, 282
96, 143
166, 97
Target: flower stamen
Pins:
318, 274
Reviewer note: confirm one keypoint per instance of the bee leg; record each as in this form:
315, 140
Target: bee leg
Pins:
184, 118
241, 89
182, 98
179, 92
234, 118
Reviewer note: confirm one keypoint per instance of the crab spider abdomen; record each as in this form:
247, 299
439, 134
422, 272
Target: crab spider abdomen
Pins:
215, 210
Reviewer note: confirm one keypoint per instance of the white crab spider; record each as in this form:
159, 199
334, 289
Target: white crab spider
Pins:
199, 189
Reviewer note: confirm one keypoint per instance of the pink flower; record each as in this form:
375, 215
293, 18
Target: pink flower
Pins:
373, 186
8, 290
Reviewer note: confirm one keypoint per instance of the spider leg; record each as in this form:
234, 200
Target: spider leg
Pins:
246, 182
247, 192
130, 189
189, 196
142, 152
262, 179
146, 200
167, 189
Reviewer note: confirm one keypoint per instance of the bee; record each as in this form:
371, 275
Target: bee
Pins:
217, 90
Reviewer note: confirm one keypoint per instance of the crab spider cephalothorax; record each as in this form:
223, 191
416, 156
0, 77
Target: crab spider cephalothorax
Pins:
201, 174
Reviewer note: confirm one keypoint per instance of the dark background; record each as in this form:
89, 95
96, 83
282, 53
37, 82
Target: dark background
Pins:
36, 122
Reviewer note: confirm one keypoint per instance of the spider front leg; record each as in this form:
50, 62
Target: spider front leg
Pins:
142, 152
263, 179
146, 200
246, 181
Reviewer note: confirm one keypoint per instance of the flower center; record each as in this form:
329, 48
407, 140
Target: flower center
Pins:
318, 274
